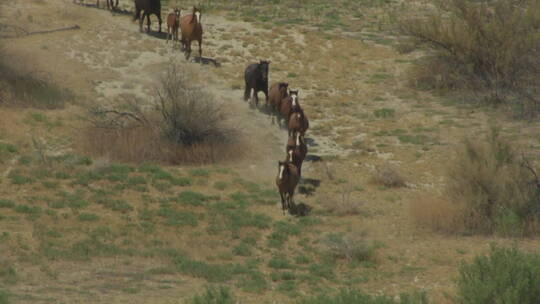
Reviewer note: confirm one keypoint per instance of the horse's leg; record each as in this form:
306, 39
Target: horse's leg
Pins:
200, 47
256, 97
188, 48
141, 20
283, 203
247, 92
159, 20
148, 23
116, 5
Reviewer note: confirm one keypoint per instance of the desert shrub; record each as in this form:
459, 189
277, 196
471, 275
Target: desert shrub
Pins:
186, 126
190, 115
351, 249
488, 48
29, 89
346, 296
506, 275
388, 176
498, 190
212, 295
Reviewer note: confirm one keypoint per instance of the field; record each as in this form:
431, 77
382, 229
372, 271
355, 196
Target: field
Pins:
76, 227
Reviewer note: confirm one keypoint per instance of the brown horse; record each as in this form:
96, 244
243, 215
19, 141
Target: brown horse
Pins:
277, 92
297, 152
289, 105
191, 28
298, 122
147, 7
173, 22
286, 181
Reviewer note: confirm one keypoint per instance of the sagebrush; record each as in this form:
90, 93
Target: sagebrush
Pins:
506, 275
495, 189
488, 48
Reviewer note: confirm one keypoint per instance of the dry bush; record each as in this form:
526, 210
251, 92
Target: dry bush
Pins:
388, 176
186, 126
487, 48
28, 89
438, 214
490, 189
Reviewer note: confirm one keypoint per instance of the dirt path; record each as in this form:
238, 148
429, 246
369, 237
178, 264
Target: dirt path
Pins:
108, 60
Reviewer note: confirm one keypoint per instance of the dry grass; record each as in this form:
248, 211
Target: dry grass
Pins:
438, 214
388, 176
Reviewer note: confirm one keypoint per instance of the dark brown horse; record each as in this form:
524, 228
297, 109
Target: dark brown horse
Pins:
289, 104
286, 182
173, 22
256, 78
148, 7
191, 28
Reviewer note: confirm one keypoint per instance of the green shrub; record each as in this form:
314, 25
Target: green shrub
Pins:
4, 297
221, 295
506, 275
5, 203
489, 48
88, 217
354, 296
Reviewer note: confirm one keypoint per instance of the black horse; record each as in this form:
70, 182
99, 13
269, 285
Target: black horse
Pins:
149, 7
256, 77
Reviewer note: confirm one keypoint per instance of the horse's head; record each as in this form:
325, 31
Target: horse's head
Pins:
263, 67
282, 167
177, 12
294, 97
197, 14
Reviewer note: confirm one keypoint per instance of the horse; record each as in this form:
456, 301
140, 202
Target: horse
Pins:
298, 151
191, 28
298, 122
277, 92
286, 182
149, 7
289, 105
173, 22
256, 78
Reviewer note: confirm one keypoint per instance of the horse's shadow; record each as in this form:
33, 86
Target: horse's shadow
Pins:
300, 209
159, 35
206, 60
119, 11
307, 186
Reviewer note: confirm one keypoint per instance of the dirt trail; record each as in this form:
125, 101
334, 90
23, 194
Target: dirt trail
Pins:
108, 60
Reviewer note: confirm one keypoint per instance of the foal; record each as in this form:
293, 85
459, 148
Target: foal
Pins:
173, 22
